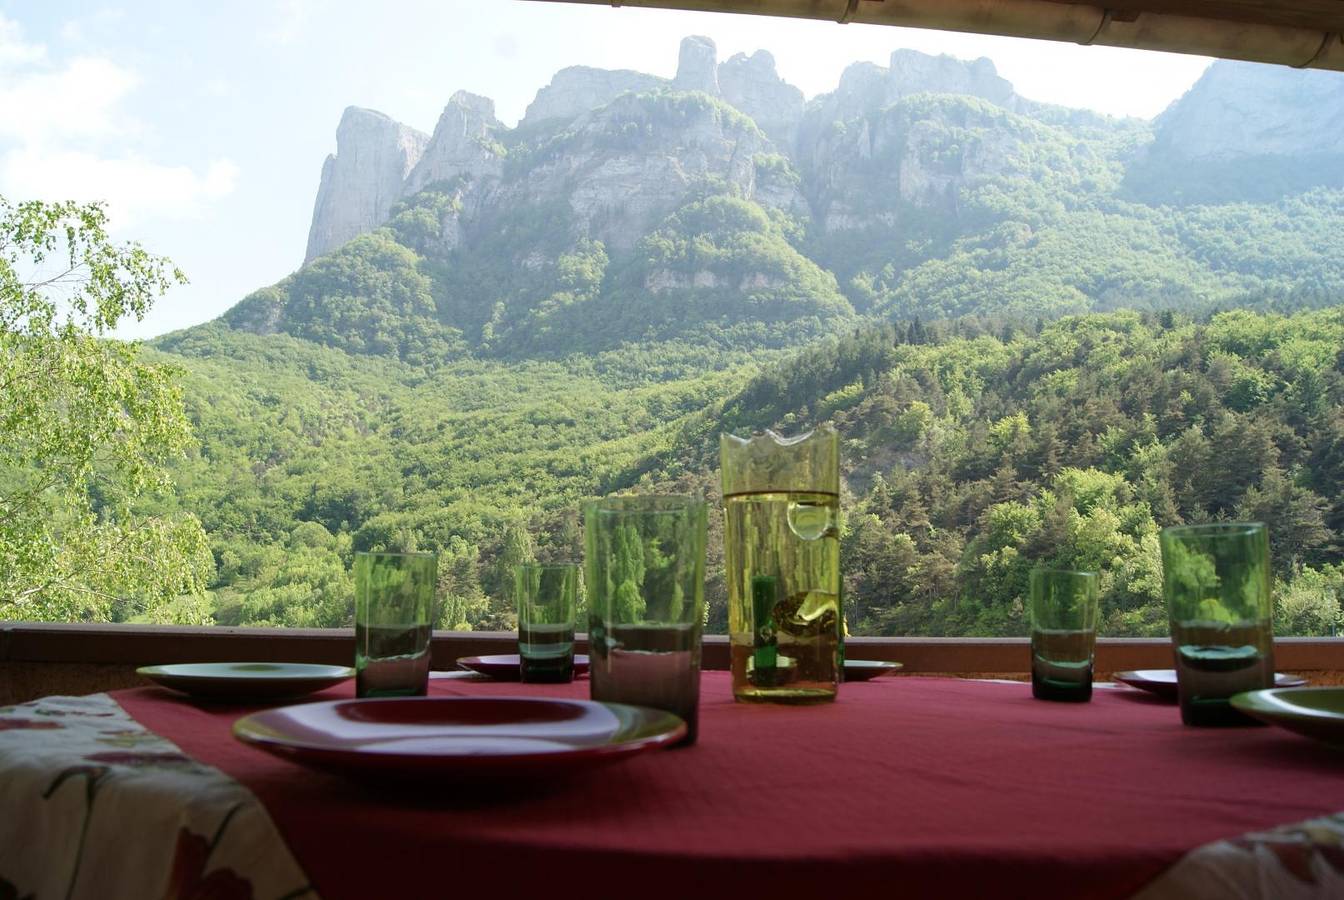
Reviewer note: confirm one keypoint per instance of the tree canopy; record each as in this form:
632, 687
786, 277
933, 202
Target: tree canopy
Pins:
88, 430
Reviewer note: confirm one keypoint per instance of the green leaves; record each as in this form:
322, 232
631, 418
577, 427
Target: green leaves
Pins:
87, 430
60, 273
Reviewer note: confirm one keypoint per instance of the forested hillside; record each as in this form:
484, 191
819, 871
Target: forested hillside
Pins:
1036, 345
973, 449
978, 448
308, 453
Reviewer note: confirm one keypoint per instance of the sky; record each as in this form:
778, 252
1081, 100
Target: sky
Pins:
203, 126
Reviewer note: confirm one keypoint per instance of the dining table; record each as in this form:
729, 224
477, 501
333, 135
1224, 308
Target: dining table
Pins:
902, 787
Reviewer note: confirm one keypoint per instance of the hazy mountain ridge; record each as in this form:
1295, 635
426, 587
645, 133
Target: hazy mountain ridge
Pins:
461, 144
1245, 132
926, 187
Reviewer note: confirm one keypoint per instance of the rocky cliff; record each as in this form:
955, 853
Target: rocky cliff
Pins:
697, 66
751, 84
364, 179
633, 162
621, 149
580, 89
718, 207
897, 154
866, 88
1240, 109
463, 145
1245, 132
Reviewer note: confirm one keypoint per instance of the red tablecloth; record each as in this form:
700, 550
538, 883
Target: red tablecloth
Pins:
904, 787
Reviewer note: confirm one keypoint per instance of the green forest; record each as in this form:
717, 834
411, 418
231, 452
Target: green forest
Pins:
1035, 347
972, 448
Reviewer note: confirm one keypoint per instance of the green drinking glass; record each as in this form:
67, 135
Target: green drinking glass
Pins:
394, 613
547, 597
1216, 579
1063, 633
644, 567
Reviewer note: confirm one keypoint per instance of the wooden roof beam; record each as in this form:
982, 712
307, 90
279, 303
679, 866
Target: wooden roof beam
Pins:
1302, 34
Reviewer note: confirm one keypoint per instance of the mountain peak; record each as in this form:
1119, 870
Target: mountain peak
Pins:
483, 107
866, 87
912, 72
1245, 131
762, 61
463, 144
360, 116
579, 89
697, 66
1239, 109
362, 180
751, 84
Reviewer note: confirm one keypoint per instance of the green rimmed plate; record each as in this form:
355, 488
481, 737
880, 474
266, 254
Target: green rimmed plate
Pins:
1314, 712
242, 681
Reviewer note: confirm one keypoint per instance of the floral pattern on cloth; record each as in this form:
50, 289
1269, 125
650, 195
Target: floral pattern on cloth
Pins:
96, 806
1303, 861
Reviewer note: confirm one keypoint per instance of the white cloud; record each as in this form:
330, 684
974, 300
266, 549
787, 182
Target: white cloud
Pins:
220, 87
65, 134
81, 99
135, 189
82, 30
14, 52
291, 21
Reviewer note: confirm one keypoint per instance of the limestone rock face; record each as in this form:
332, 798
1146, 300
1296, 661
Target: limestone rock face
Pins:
580, 89
362, 181
463, 144
629, 165
1241, 109
697, 66
867, 88
629, 162
751, 84
924, 154
862, 127
912, 72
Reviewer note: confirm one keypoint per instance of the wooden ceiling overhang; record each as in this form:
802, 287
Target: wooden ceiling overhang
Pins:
1298, 33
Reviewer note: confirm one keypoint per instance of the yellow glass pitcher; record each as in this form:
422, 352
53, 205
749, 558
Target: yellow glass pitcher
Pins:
781, 501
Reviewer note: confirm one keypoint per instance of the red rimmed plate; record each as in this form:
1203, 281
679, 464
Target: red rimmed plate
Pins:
1162, 682
458, 737
506, 666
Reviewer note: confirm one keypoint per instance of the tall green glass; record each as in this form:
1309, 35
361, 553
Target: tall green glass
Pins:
781, 501
1063, 633
394, 613
547, 595
1217, 582
644, 568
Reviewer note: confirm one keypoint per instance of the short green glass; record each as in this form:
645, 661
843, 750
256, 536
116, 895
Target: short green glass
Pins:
394, 613
547, 597
1216, 579
644, 568
1063, 633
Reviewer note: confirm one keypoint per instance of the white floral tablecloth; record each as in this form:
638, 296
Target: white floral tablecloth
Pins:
92, 805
